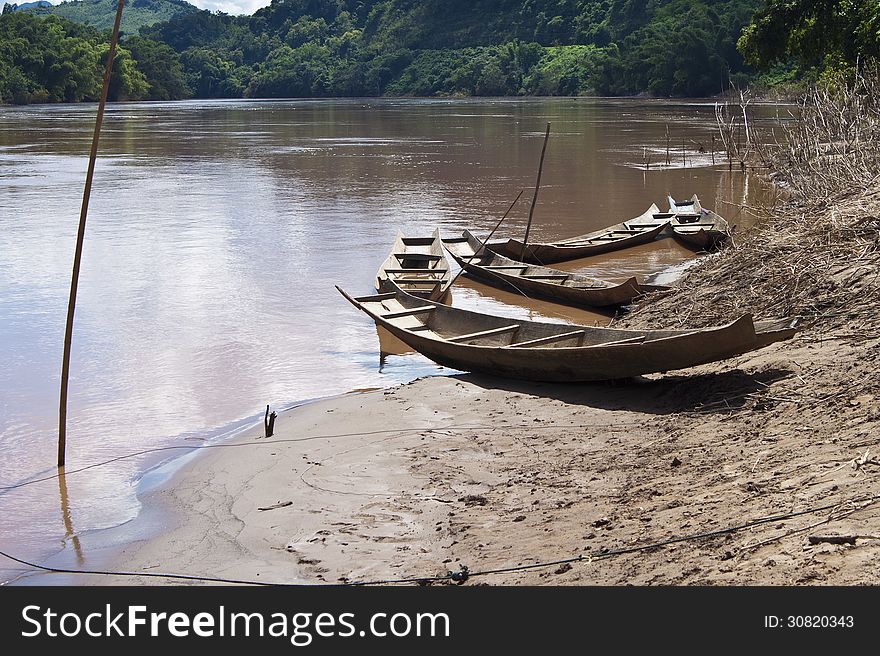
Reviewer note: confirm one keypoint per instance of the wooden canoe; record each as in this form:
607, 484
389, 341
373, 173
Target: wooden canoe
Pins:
640, 230
696, 226
532, 280
418, 266
532, 350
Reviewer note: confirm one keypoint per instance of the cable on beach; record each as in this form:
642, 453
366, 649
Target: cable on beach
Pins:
403, 432
465, 573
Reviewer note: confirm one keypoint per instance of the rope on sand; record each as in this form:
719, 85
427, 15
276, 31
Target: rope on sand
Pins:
464, 573
271, 442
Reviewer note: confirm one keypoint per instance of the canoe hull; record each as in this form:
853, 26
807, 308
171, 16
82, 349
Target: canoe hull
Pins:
561, 252
696, 227
610, 296
417, 266
575, 290
576, 359
702, 240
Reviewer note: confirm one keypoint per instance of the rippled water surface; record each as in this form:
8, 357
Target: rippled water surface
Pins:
217, 231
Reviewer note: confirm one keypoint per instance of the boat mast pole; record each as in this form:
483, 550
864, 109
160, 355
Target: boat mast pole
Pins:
486, 240
535, 197
80, 235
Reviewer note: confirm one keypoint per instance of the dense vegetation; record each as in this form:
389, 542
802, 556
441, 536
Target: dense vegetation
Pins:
820, 36
100, 13
55, 60
468, 47
296, 48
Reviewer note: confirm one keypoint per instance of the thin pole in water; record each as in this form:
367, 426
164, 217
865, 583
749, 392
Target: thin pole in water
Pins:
667, 145
535, 197
486, 240
80, 235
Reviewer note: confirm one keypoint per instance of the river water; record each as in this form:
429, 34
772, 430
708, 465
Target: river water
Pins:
217, 231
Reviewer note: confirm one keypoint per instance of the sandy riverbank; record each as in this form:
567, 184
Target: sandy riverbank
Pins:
472, 471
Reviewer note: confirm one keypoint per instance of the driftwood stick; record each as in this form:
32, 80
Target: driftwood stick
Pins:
275, 506
486, 240
832, 539
269, 423
80, 236
535, 197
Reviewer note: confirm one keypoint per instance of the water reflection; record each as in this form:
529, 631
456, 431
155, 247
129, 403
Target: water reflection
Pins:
69, 533
389, 345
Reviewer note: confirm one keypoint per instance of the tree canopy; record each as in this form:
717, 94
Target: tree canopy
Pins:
814, 33
50, 59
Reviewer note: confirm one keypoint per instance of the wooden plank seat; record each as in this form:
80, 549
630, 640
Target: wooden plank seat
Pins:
548, 340
499, 266
484, 333
420, 281
537, 276
577, 242
630, 340
416, 270
376, 297
407, 313
417, 256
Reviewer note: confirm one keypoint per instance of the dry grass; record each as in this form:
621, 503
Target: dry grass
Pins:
817, 256
833, 141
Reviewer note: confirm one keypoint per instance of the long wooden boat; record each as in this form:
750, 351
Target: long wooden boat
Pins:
533, 280
640, 230
418, 266
532, 350
696, 226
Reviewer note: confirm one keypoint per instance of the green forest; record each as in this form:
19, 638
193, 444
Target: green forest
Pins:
324, 48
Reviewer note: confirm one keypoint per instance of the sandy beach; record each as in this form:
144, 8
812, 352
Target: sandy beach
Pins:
445, 472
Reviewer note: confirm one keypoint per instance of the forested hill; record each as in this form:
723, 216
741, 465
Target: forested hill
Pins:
467, 47
100, 13
320, 48
438, 24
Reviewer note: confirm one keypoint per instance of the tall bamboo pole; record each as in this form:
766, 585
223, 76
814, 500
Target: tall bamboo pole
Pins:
80, 235
535, 197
